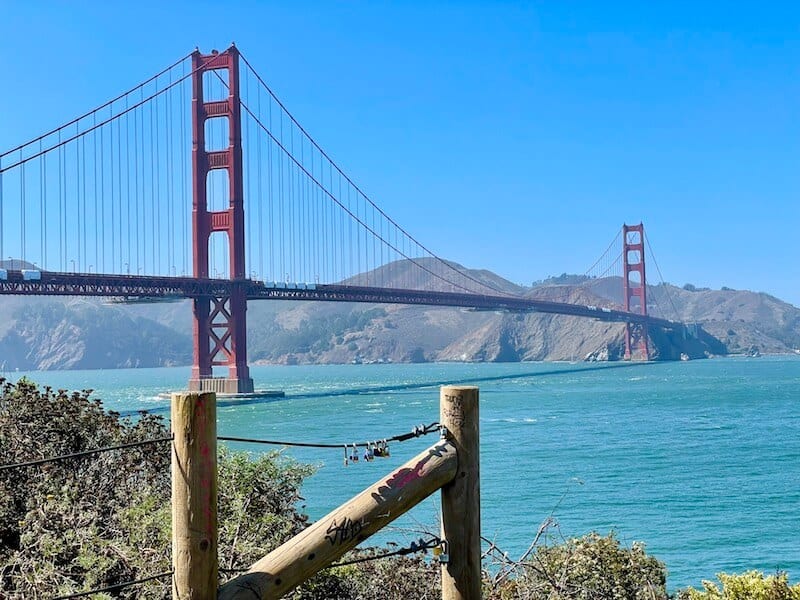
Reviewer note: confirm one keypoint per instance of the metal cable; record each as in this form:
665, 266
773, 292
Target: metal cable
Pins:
418, 431
110, 119
611, 266
375, 206
117, 586
420, 545
83, 453
603, 255
669, 296
343, 207
99, 108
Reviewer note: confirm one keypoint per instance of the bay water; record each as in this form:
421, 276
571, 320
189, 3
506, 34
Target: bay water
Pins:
699, 460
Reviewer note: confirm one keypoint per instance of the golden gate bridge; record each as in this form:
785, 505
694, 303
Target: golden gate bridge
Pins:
100, 207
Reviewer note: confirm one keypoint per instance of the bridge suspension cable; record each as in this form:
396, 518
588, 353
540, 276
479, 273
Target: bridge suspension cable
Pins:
378, 240
609, 263
664, 286
108, 191
94, 111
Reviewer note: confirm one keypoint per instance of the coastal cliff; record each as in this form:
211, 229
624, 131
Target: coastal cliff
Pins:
57, 333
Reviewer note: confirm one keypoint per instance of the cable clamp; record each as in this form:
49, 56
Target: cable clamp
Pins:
440, 552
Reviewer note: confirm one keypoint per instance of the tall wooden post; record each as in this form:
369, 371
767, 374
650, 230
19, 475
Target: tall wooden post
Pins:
194, 496
461, 498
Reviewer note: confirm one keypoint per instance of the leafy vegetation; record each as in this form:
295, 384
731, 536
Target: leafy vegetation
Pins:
85, 523
312, 335
752, 585
587, 568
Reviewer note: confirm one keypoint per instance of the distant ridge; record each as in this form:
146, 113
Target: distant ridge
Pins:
57, 333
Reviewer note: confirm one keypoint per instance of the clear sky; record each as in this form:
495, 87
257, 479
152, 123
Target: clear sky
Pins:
516, 137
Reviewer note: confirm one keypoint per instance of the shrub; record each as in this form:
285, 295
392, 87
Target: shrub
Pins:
752, 585
86, 523
587, 568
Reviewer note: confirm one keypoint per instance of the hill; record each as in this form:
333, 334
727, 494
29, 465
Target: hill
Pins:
58, 333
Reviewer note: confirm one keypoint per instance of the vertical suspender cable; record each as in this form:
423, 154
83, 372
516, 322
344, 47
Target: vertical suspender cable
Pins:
269, 184
155, 192
281, 200
78, 165
83, 255
184, 196
170, 133
313, 223
102, 257
137, 219
248, 197
303, 188
60, 204
128, 186
341, 236
42, 211
330, 209
22, 209
94, 192
292, 200
111, 172
141, 231
350, 242
78, 199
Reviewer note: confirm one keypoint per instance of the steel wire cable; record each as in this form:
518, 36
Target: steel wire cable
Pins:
99, 108
658, 269
613, 265
127, 110
41, 461
418, 431
421, 545
361, 192
364, 225
115, 587
604, 254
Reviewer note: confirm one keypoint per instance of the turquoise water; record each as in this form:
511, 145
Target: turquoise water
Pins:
699, 460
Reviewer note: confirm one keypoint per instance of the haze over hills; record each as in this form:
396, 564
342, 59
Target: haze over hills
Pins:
70, 333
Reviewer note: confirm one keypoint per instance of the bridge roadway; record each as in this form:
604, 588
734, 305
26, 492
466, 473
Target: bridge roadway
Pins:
154, 288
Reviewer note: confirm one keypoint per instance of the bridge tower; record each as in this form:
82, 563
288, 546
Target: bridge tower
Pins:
219, 329
634, 286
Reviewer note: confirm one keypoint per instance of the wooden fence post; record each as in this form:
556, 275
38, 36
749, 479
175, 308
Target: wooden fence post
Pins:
194, 496
461, 498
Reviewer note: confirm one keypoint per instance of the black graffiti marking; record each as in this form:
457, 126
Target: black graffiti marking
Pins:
346, 530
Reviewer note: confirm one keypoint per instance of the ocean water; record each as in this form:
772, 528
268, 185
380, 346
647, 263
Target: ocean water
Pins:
698, 460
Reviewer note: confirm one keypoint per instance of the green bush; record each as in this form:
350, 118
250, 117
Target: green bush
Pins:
588, 568
86, 523
92, 522
752, 585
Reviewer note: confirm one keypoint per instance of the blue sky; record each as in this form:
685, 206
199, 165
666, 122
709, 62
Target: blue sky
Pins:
513, 137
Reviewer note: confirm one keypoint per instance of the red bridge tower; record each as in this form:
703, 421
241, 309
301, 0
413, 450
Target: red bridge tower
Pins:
220, 336
634, 286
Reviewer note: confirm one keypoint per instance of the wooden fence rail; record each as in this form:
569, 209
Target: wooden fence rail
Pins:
452, 465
